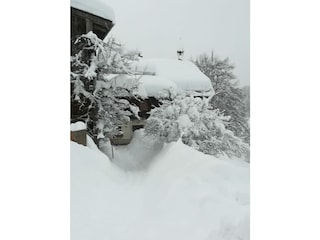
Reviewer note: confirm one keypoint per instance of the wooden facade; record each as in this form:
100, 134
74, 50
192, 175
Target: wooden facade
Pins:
79, 137
83, 22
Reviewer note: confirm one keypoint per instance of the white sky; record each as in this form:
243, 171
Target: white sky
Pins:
155, 27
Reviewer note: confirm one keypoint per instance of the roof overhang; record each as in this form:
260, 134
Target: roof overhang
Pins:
98, 8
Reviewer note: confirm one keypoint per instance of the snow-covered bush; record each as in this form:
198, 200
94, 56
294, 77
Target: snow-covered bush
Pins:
198, 126
96, 98
166, 129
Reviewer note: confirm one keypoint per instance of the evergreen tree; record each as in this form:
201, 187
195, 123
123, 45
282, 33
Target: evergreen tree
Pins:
96, 97
246, 100
229, 97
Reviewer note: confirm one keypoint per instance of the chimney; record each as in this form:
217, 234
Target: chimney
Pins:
180, 50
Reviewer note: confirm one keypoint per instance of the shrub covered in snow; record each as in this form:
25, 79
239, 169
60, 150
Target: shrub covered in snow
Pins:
95, 94
198, 126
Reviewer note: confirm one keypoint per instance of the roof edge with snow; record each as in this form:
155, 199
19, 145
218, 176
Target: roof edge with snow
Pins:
95, 7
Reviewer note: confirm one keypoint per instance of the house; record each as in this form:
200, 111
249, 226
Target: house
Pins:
93, 15
159, 79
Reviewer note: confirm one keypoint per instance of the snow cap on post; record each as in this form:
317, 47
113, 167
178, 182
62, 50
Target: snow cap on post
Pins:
95, 7
78, 126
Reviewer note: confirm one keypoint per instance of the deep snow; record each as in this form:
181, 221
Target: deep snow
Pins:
180, 193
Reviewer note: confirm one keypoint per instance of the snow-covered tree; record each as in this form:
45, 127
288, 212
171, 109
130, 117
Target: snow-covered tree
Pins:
229, 98
96, 96
246, 99
197, 124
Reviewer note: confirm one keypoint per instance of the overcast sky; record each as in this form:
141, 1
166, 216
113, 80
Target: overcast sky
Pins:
155, 27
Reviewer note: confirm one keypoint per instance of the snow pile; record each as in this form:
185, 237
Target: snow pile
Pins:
96, 7
183, 194
77, 126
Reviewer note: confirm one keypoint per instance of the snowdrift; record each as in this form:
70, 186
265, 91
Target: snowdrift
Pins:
183, 194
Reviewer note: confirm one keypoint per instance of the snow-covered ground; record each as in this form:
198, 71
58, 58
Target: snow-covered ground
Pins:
177, 193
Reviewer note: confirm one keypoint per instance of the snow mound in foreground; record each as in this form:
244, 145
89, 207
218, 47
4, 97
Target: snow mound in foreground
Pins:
183, 194
138, 154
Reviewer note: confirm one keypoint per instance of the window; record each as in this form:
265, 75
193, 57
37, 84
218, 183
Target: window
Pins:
144, 106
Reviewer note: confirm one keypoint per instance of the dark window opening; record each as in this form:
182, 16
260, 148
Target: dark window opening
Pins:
144, 106
143, 115
136, 127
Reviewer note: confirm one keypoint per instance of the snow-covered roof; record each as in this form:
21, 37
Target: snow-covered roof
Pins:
157, 86
97, 7
148, 86
161, 77
184, 74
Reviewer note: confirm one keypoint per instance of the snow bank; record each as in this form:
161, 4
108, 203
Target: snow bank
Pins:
96, 7
91, 144
183, 194
91, 185
137, 154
